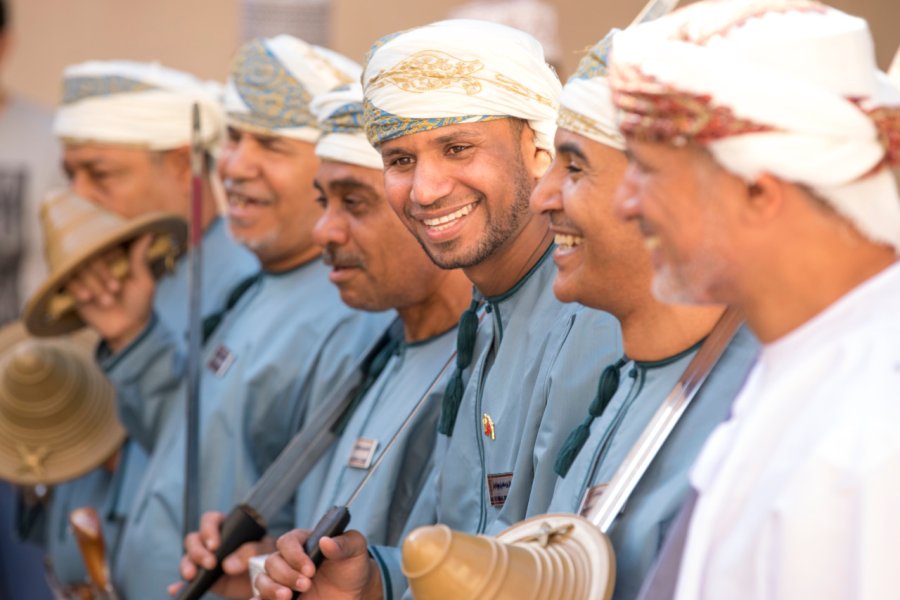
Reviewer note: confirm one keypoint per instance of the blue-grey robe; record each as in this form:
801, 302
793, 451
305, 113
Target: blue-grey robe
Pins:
283, 346
382, 507
225, 264
638, 533
531, 349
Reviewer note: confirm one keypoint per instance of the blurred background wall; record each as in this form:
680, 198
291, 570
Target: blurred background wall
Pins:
200, 35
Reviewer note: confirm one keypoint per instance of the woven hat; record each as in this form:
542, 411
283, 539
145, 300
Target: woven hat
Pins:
77, 231
57, 410
542, 558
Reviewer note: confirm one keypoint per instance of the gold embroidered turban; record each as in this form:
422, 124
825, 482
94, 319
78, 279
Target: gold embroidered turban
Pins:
458, 71
786, 87
273, 81
140, 104
586, 105
340, 115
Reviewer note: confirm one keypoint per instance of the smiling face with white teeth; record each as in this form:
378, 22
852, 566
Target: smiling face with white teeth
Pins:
682, 201
601, 261
463, 191
272, 205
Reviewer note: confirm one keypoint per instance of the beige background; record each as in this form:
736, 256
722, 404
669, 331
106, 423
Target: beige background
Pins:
200, 35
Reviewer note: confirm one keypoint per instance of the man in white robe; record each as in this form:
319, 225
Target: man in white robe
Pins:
760, 136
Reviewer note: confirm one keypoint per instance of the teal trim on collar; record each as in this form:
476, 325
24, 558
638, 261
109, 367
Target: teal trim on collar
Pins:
387, 587
511, 291
656, 364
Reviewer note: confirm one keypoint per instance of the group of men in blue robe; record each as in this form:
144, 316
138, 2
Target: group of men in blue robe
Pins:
462, 194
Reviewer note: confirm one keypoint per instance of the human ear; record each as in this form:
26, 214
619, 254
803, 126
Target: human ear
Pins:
765, 198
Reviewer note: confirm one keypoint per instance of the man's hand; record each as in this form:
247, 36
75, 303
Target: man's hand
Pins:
346, 573
200, 547
118, 309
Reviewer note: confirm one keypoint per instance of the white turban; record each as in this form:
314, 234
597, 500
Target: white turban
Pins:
586, 105
140, 104
458, 71
340, 115
273, 81
788, 88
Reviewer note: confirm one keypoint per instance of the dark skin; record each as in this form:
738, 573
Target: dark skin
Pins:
371, 275
477, 177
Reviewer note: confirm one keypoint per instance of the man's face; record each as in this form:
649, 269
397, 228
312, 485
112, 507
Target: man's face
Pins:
271, 198
685, 205
462, 190
376, 263
128, 181
597, 255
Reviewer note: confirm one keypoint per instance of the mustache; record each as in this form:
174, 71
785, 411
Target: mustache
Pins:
336, 257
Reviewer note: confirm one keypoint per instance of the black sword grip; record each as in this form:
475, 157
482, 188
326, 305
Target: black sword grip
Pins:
331, 524
242, 525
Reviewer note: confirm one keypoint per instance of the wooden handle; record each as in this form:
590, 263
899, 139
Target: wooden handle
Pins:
86, 526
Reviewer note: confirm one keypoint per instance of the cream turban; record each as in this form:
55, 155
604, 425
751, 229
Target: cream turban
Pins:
786, 87
586, 105
141, 104
340, 115
273, 81
458, 71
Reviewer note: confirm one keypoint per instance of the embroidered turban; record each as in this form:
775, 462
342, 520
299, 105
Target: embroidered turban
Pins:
273, 82
141, 104
586, 105
340, 115
458, 71
786, 87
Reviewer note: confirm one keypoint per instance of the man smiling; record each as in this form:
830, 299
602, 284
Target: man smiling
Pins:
760, 170
462, 153
659, 339
376, 265
280, 342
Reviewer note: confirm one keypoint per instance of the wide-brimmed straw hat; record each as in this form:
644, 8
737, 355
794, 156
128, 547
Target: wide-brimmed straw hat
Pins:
77, 231
57, 410
542, 558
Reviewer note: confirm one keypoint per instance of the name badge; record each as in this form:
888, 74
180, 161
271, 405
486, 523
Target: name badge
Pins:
498, 487
221, 361
362, 454
591, 498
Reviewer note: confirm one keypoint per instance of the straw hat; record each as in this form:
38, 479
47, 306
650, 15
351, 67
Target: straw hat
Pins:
77, 231
542, 558
57, 410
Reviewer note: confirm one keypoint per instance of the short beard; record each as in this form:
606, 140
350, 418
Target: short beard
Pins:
499, 230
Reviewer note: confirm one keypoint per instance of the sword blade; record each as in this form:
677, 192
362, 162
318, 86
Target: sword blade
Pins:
195, 274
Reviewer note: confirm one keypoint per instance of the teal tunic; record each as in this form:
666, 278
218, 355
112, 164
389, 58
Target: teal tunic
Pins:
530, 349
381, 509
285, 344
225, 263
639, 531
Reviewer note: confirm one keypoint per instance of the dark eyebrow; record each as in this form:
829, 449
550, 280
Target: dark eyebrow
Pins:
574, 150
349, 184
395, 151
457, 136
318, 186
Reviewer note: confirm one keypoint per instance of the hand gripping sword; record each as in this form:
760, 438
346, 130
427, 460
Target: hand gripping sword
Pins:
248, 520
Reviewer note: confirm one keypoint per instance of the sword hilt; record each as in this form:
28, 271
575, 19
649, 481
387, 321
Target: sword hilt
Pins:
332, 523
242, 525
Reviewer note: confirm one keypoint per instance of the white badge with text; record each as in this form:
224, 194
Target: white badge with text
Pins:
362, 454
221, 360
498, 487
